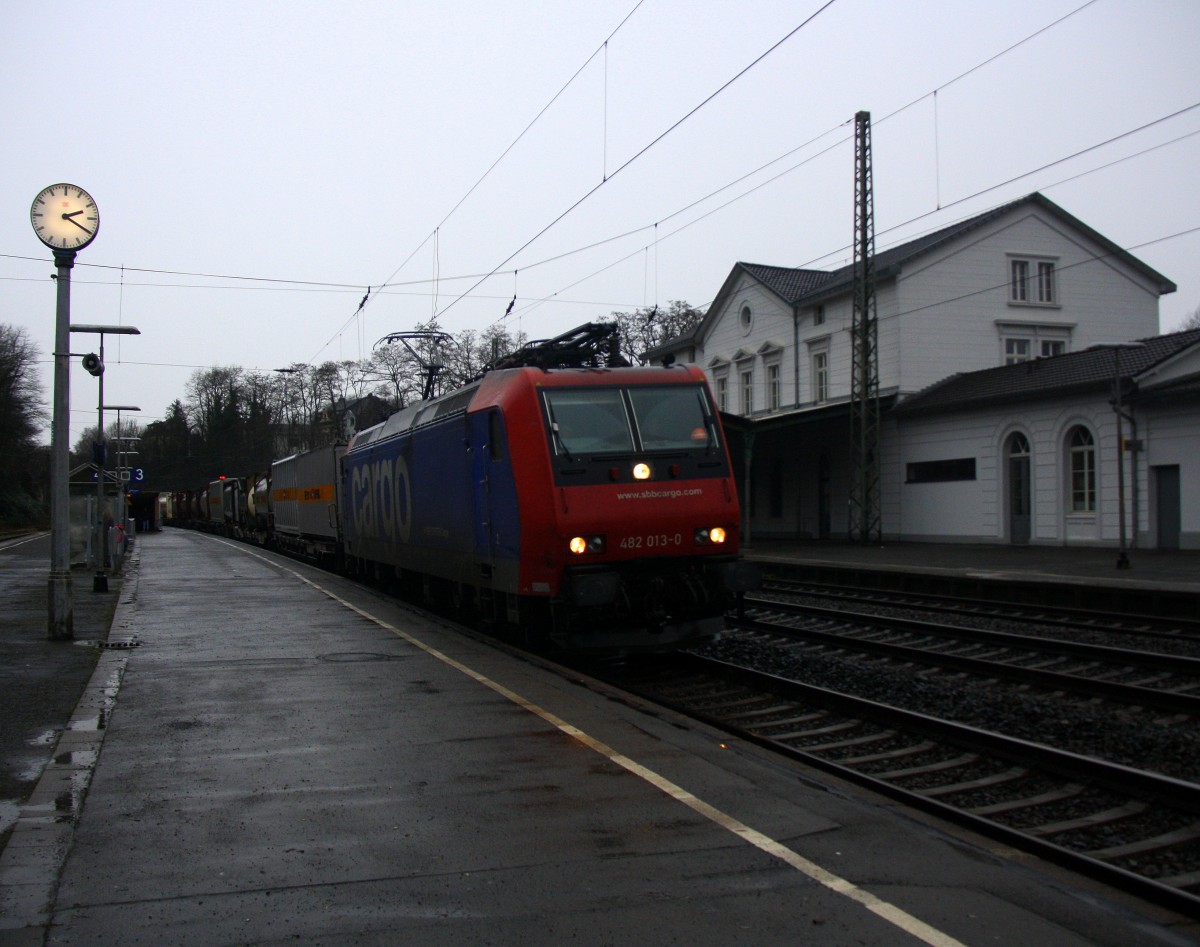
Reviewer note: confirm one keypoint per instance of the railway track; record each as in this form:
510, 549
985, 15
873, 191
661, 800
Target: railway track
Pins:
1166, 683
1077, 621
1135, 829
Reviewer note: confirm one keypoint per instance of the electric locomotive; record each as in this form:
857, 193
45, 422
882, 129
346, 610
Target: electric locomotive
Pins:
595, 505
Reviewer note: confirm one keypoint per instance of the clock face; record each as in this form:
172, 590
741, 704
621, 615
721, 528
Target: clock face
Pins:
65, 217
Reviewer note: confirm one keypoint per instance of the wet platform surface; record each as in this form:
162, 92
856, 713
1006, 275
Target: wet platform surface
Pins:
286, 757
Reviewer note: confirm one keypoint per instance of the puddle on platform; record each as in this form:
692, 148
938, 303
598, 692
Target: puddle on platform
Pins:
32, 770
77, 758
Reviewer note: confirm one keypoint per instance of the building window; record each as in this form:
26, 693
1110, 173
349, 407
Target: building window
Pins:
1083, 471
1032, 282
820, 376
1016, 350
1019, 291
747, 319
1045, 272
941, 471
1022, 340
819, 316
773, 388
722, 393
747, 393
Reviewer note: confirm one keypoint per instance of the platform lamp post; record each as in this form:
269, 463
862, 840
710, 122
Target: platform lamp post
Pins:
119, 469
100, 582
65, 218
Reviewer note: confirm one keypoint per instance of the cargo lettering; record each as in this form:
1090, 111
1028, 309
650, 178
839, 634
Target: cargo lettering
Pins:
381, 500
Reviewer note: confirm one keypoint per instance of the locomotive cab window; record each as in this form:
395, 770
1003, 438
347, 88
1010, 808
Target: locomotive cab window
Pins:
673, 417
589, 421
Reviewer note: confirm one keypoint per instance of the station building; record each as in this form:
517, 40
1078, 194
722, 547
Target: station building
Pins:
1003, 342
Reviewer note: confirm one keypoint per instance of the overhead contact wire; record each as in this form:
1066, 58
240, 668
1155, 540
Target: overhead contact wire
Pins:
642, 152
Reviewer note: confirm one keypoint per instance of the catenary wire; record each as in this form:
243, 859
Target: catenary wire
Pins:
487, 173
646, 148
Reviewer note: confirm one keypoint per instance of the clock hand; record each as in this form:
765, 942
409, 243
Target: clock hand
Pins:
74, 213
72, 219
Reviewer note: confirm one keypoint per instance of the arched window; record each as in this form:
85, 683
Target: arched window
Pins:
1018, 445
1082, 447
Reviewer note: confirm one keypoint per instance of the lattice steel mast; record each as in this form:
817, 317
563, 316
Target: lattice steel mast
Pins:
864, 333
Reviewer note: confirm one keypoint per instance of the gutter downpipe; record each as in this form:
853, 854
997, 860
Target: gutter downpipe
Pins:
1134, 451
795, 356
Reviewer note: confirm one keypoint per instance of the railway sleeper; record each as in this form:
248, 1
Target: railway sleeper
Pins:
1184, 836
1012, 805
971, 785
1089, 821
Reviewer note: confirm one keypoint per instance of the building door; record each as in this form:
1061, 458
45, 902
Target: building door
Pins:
1019, 490
825, 497
1166, 499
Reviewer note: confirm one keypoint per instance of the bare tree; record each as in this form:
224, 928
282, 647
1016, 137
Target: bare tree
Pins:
166, 451
21, 416
395, 374
645, 328
475, 351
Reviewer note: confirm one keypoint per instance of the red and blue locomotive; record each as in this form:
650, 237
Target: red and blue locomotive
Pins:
595, 505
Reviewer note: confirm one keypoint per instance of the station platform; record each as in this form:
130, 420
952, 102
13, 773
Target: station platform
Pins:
1091, 565
272, 754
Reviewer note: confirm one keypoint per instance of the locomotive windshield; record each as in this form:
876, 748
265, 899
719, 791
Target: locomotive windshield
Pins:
585, 421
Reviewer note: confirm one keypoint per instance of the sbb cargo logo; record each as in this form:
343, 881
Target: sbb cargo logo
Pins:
381, 500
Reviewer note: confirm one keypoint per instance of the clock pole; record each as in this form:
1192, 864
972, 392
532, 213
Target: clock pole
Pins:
65, 219
62, 619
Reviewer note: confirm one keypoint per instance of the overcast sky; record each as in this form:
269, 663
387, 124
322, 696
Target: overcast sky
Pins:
259, 165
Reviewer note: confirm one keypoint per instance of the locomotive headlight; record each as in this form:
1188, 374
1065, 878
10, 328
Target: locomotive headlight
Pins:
715, 534
641, 471
586, 544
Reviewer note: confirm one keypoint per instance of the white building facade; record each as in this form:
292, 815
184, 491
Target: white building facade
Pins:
1037, 452
1016, 286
